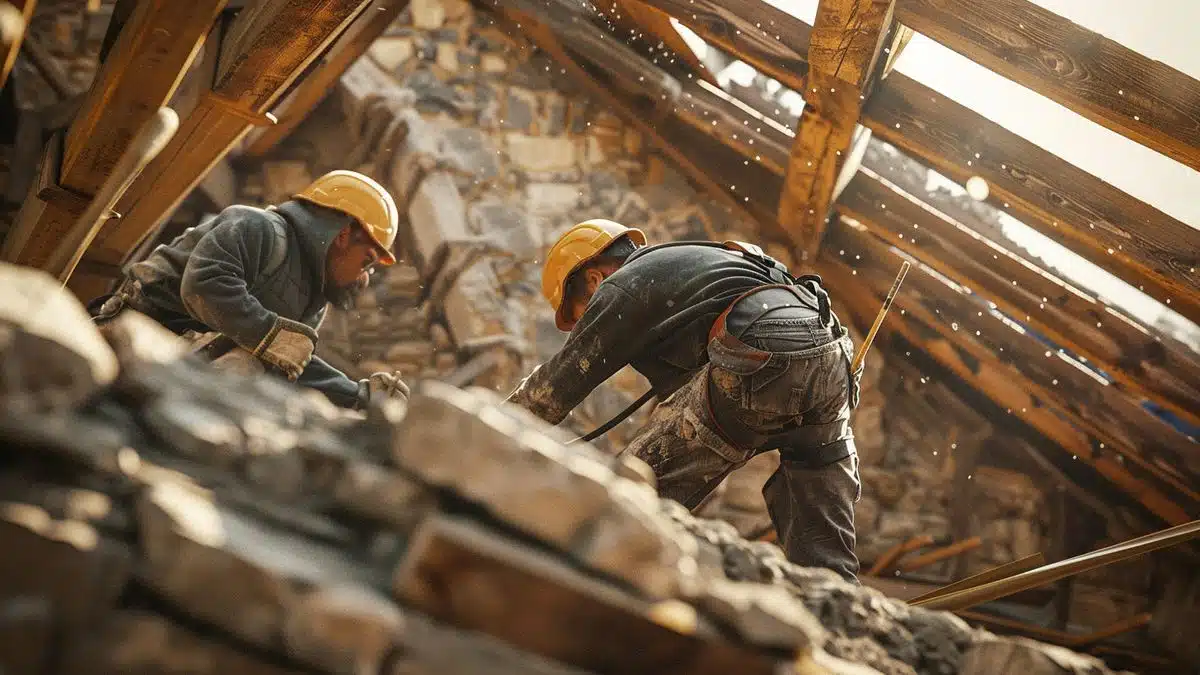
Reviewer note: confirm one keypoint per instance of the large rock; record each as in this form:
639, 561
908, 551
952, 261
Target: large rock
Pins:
1017, 656
51, 353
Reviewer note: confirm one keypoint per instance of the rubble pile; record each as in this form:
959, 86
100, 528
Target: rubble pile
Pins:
160, 516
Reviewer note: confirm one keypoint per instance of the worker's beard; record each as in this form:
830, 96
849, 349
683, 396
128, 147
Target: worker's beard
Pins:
345, 297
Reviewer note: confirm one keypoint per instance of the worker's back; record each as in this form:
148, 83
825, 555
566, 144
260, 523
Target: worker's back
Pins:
676, 292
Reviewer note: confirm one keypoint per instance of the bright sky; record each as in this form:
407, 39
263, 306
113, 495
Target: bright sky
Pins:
1143, 173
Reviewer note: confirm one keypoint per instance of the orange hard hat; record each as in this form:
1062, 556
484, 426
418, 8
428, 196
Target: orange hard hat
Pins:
362, 198
573, 250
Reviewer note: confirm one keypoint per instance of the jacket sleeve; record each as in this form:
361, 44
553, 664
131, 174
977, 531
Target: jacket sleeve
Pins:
606, 339
336, 386
220, 271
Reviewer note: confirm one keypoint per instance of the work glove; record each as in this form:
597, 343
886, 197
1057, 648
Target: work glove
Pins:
288, 346
380, 385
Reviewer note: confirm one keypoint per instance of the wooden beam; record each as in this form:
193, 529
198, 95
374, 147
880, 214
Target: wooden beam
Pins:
847, 40
148, 58
1150, 250
15, 24
1160, 370
267, 46
315, 85
1009, 368
635, 19
1106, 82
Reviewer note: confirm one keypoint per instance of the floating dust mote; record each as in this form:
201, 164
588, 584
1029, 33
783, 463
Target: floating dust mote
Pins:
977, 187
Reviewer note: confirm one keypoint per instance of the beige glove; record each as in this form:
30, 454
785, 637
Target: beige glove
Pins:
288, 346
382, 384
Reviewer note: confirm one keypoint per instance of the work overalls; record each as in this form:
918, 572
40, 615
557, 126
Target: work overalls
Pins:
751, 399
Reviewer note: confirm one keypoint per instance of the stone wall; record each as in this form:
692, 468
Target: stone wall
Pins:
479, 136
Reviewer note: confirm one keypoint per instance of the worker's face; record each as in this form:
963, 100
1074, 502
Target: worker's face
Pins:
352, 258
593, 276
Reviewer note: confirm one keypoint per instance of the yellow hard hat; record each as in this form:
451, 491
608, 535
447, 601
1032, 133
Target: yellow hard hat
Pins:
573, 250
359, 196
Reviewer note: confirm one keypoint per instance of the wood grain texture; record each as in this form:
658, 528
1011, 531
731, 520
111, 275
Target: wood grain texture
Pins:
148, 59
1106, 82
265, 49
1165, 372
322, 75
1047, 383
1129, 238
1151, 250
843, 50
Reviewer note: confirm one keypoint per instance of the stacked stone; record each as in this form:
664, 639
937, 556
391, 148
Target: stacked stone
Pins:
160, 516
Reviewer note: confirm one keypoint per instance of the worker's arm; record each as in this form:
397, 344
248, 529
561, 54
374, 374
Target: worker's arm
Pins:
605, 340
220, 271
341, 390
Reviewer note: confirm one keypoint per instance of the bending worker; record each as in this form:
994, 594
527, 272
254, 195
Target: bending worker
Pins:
264, 277
744, 357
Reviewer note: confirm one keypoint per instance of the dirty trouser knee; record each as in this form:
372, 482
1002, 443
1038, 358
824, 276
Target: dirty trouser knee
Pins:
813, 513
688, 457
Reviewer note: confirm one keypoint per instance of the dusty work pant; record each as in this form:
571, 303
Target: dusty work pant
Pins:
811, 503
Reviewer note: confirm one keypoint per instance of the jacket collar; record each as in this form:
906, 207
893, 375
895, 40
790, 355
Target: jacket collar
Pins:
315, 229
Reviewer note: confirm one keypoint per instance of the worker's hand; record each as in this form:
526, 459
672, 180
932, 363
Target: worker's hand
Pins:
383, 384
288, 346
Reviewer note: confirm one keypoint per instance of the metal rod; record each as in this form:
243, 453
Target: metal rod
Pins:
938, 555
1064, 568
898, 550
994, 574
887, 304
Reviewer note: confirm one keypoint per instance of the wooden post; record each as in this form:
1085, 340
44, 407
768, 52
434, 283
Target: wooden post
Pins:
847, 40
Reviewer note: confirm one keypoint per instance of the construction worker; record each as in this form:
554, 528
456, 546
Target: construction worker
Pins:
263, 278
743, 357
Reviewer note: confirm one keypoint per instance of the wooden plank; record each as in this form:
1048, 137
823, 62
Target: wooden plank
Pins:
846, 42
154, 49
1106, 82
1045, 391
14, 31
310, 91
267, 46
1144, 366
636, 19
1150, 250
1131, 239
460, 573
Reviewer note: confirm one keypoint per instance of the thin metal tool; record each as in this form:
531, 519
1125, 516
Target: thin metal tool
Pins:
887, 304
1041, 576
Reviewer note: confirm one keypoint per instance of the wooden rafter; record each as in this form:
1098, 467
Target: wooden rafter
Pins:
323, 74
266, 48
980, 366
845, 47
1101, 410
154, 48
633, 18
1157, 369
1149, 249
1106, 82
16, 23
